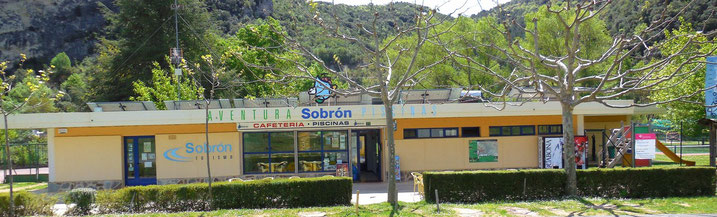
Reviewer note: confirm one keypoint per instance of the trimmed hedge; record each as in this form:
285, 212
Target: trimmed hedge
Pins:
26, 204
279, 193
478, 186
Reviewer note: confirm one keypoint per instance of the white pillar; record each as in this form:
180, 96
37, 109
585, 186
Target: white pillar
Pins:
51, 153
581, 125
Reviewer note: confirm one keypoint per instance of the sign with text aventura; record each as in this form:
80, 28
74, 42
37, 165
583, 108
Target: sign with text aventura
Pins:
299, 115
711, 93
645, 145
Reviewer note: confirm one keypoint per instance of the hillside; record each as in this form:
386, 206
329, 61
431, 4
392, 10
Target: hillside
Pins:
623, 15
41, 29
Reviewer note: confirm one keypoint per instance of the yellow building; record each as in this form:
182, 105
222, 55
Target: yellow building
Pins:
111, 149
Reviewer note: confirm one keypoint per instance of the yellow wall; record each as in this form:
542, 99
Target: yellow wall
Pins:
197, 167
606, 122
452, 153
89, 158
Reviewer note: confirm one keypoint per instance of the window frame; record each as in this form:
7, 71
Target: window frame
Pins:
430, 132
322, 152
550, 132
521, 130
269, 152
463, 132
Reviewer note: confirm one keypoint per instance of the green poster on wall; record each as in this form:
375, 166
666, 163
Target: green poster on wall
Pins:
482, 151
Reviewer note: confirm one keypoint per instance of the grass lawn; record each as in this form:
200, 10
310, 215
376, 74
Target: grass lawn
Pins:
700, 160
587, 206
24, 186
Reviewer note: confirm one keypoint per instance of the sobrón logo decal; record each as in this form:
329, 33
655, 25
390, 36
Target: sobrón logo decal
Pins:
322, 89
224, 149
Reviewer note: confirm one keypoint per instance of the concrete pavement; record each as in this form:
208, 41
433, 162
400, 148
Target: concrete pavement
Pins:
377, 192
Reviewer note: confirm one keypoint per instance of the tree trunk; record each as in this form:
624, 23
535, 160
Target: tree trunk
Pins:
571, 187
9, 165
390, 144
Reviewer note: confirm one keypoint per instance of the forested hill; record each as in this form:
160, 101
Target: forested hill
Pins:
41, 29
624, 15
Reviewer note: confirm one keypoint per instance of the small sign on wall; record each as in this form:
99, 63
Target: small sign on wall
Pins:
480, 151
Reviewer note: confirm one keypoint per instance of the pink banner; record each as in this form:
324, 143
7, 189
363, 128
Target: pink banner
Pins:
645, 136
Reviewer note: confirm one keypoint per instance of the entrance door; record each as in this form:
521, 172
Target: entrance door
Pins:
140, 166
366, 155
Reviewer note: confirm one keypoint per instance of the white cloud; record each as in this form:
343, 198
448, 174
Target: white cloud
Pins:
465, 7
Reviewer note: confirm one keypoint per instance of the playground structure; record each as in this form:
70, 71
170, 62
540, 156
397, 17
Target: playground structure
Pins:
621, 140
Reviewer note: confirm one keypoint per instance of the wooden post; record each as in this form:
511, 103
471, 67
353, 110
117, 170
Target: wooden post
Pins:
713, 143
438, 206
357, 202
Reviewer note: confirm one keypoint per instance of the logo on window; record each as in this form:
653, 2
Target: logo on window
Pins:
322, 89
220, 151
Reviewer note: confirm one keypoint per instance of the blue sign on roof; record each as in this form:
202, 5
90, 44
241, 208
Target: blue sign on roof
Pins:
710, 82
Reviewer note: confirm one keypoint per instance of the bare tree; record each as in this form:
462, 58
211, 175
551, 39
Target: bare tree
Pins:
630, 64
383, 52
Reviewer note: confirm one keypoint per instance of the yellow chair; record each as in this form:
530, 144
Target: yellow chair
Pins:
263, 167
417, 182
279, 167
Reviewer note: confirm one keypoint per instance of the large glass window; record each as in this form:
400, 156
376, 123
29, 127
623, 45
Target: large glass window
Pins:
322, 150
274, 152
269, 152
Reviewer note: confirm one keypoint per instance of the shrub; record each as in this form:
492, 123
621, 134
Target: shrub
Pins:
279, 193
26, 204
82, 198
478, 186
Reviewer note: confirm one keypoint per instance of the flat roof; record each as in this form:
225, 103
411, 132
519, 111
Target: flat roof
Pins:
312, 113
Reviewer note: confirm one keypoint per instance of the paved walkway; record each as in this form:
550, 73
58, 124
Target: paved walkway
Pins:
370, 193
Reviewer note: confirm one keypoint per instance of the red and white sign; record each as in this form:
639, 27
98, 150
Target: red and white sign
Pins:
645, 145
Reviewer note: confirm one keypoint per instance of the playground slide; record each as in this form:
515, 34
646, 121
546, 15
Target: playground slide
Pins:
672, 155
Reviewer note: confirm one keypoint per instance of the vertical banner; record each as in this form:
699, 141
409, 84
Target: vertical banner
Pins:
711, 81
398, 169
553, 152
645, 145
581, 151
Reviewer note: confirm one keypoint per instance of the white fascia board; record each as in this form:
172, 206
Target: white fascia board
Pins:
253, 115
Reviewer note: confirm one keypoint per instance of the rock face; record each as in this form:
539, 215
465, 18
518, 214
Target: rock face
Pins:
42, 28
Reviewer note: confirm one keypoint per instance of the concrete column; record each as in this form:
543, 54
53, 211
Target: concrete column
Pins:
581, 125
51, 153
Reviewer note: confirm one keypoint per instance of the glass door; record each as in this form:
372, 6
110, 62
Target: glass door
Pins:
140, 161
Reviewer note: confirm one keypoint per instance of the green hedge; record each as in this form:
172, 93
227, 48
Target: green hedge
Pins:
280, 193
27, 178
478, 186
26, 204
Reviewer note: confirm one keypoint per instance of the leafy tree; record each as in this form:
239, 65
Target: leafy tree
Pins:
254, 56
163, 87
63, 67
18, 95
681, 112
144, 33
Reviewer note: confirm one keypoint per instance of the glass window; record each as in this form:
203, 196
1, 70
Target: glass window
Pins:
333, 158
256, 142
334, 140
409, 133
556, 129
451, 132
309, 141
282, 142
147, 167
424, 133
514, 131
437, 133
256, 163
309, 161
543, 129
527, 130
470, 132
494, 131
282, 163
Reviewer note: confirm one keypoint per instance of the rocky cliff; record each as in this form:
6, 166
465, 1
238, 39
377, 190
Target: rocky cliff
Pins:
42, 28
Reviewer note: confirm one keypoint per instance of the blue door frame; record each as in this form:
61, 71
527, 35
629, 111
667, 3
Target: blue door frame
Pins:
135, 158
